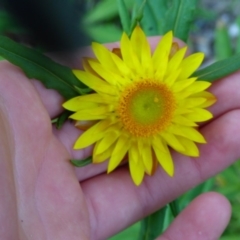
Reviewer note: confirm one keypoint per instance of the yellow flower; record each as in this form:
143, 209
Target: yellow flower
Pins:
142, 104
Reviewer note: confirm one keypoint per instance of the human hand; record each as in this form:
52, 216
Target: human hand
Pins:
41, 196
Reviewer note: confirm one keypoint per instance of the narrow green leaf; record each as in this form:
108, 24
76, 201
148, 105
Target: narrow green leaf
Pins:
62, 119
35, 65
159, 8
152, 226
83, 91
104, 10
81, 163
174, 207
222, 44
219, 69
149, 21
137, 13
193, 193
124, 16
179, 17
102, 33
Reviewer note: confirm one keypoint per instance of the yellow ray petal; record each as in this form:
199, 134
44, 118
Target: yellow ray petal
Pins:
158, 143
170, 80
187, 132
210, 98
142, 49
190, 64
175, 61
76, 104
198, 86
165, 160
181, 120
92, 135
190, 147
192, 102
109, 138
133, 152
163, 48
145, 151
92, 113
128, 55
120, 150
137, 171
180, 85
123, 68
95, 82
110, 77
172, 141
199, 115
87, 67
104, 57
98, 158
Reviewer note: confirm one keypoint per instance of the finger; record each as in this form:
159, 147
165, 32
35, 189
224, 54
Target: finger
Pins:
226, 91
130, 203
68, 135
205, 218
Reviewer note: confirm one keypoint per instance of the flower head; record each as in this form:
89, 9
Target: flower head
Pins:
142, 104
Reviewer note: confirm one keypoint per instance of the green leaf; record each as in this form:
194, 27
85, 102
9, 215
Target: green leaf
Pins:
62, 119
124, 16
219, 69
103, 33
81, 163
105, 11
174, 207
137, 13
159, 9
152, 225
196, 191
222, 44
149, 21
35, 65
179, 17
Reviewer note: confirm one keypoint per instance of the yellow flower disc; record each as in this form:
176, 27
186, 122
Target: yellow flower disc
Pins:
146, 108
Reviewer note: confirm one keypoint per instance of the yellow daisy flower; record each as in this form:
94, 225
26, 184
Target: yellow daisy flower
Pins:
142, 104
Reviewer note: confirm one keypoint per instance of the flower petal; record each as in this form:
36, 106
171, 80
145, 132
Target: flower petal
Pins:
110, 77
95, 82
92, 135
175, 61
120, 150
187, 132
109, 138
199, 115
137, 171
165, 160
210, 98
104, 56
172, 141
142, 49
190, 147
190, 64
145, 151
98, 158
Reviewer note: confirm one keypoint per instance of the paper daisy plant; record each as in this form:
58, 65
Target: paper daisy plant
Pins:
142, 104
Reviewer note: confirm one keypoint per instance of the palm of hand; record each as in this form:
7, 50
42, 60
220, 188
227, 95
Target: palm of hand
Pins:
37, 179
36, 176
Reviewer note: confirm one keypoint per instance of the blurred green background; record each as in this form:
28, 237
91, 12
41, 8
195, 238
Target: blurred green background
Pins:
215, 31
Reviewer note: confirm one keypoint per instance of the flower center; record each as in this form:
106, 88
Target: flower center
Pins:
146, 108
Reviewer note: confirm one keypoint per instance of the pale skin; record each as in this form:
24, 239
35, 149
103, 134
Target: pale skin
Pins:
43, 197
